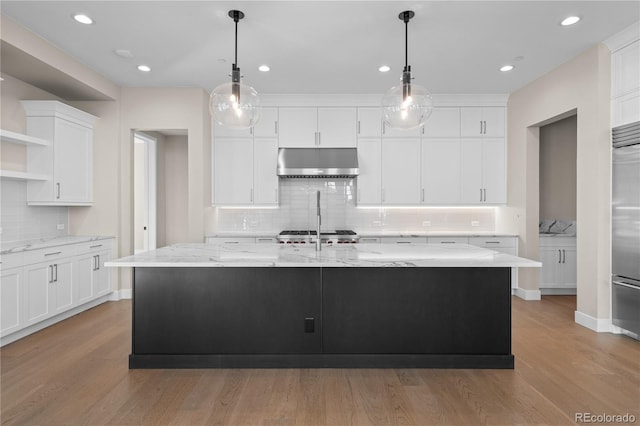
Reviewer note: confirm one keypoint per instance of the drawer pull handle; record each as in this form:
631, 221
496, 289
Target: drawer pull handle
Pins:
52, 254
231, 242
492, 242
447, 242
403, 242
96, 246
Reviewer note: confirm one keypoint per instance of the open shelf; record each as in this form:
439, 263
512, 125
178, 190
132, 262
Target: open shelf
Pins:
13, 137
11, 174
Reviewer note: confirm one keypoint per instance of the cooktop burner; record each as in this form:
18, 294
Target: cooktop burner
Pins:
338, 236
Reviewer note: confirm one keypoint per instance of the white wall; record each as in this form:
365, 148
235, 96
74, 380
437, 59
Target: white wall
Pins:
581, 84
175, 179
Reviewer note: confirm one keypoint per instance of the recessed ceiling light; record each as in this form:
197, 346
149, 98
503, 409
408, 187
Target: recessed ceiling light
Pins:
264, 68
384, 68
144, 68
506, 68
83, 19
570, 20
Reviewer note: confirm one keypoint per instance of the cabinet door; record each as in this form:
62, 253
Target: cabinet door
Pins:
267, 126
369, 164
265, 180
62, 297
226, 132
401, 171
102, 276
10, 301
471, 122
441, 171
84, 279
471, 176
337, 127
494, 171
391, 132
233, 171
298, 127
567, 272
37, 292
493, 118
550, 258
73, 162
443, 123
369, 122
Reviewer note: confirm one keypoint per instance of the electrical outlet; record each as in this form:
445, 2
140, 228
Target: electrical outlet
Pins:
60, 227
426, 223
475, 223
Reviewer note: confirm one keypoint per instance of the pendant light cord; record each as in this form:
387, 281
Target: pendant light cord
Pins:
235, 63
406, 43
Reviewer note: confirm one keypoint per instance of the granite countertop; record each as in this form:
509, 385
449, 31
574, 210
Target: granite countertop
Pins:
42, 243
361, 255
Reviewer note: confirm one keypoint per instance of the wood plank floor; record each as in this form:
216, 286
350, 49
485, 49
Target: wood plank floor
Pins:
75, 372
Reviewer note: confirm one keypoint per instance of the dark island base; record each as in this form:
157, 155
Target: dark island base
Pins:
322, 361
321, 318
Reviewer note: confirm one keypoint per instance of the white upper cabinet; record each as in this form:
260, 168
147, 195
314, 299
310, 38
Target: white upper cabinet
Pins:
483, 177
233, 171
441, 172
482, 122
369, 122
244, 171
337, 127
369, 177
68, 161
443, 123
317, 127
391, 132
401, 171
267, 126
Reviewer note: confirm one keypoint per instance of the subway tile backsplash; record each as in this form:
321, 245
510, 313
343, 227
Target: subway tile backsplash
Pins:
20, 222
297, 210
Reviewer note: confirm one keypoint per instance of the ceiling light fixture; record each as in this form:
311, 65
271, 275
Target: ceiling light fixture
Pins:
570, 21
264, 68
384, 68
83, 19
507, 68
408, 105
233, 104
144, 68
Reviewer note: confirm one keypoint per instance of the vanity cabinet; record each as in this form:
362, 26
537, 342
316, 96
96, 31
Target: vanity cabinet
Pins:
67, 161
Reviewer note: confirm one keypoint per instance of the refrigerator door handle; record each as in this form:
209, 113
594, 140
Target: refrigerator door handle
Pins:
620, 283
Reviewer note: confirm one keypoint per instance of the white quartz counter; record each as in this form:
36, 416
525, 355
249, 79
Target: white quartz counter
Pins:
43, 243
360, 255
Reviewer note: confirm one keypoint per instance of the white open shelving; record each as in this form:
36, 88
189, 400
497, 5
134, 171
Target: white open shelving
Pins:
19, 138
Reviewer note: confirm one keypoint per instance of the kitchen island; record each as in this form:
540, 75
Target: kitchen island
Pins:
384, 306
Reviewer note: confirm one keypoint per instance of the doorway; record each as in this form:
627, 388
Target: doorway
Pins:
145, 192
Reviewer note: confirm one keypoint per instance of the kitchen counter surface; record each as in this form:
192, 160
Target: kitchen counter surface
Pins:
43, 243
399, 234
243, 234
549, 235
361, 255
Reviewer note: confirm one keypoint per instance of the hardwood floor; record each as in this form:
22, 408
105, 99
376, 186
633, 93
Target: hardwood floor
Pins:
75, 372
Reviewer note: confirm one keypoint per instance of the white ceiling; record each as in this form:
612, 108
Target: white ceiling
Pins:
326, 46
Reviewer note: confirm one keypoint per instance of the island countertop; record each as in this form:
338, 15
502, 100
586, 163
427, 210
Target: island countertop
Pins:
360, 255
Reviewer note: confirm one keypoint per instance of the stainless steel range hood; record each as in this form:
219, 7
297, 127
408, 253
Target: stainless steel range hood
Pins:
317, 162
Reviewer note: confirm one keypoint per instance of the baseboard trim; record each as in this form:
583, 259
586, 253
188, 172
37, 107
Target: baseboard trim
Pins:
5, 340
525, 294
120, 295
596, 324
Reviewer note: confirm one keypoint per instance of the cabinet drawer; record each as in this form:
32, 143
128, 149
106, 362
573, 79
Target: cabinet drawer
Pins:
96, 246
266, 240
493, 242
404, 240
448, 240
228, 240
50, 254
369, 240
11, 260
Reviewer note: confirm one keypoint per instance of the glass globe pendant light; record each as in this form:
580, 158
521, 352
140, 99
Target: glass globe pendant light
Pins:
233, 104
406, 106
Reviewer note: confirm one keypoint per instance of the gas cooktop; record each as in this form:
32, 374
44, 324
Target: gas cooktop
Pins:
339, 236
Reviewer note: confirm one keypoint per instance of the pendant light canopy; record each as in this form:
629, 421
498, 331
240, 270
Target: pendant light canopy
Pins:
408, 105
233, 104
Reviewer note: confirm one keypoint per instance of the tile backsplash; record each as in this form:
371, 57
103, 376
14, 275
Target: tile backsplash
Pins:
21, 222
297, 210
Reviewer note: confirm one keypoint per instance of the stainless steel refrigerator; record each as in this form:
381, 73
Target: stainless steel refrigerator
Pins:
625, 211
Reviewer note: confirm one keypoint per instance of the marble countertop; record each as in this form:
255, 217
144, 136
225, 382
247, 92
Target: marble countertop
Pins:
396, 234
547, 235
43, 243
361, 255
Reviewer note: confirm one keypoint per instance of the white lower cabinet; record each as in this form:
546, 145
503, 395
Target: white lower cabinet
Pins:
11, 284
37, 293
559, 265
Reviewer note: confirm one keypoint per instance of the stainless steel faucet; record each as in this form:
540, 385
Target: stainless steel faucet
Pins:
319, 220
